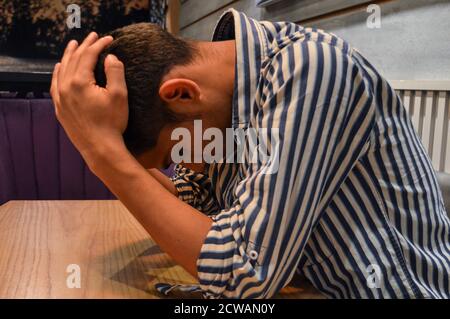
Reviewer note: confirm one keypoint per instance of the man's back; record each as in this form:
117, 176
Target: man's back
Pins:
387, 227
354, 206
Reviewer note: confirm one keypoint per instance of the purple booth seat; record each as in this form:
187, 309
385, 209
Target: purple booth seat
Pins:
37, 160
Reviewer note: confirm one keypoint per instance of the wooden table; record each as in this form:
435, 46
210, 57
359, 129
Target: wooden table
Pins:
50, 248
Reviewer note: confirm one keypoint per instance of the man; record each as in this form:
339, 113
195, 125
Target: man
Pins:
354, 204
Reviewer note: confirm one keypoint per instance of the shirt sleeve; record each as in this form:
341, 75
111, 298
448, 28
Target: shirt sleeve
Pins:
322, 105
194, 189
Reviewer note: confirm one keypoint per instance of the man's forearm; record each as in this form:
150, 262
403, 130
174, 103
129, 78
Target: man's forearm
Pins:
163, 180
95, 119
176, 227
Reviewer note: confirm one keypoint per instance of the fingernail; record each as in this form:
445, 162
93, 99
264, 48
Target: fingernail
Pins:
112, 57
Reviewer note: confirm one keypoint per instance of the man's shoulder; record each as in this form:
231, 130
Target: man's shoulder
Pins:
284, 34
295, 49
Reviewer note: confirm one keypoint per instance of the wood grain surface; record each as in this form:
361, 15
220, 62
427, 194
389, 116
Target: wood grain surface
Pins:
39, 240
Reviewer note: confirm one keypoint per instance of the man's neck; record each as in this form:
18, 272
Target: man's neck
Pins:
220, 57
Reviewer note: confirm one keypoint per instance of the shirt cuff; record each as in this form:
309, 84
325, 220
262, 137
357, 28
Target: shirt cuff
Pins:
224, 260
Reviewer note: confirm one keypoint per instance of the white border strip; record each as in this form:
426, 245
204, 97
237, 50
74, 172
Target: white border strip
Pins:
420, 85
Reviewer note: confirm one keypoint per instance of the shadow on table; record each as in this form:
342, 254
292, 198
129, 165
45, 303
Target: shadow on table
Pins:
152, 266
146, 266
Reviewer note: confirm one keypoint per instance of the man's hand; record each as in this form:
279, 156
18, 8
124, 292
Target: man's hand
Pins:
93, 117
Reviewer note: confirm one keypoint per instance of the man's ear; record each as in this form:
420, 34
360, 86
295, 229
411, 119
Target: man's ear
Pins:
177, 92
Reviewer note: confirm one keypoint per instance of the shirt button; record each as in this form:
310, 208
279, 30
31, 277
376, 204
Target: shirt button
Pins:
253, 254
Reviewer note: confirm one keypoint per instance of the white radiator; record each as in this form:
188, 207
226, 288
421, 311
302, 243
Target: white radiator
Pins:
428, 103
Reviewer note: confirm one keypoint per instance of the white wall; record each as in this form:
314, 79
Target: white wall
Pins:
413, 42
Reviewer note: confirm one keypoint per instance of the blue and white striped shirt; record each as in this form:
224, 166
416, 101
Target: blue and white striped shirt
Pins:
355, 194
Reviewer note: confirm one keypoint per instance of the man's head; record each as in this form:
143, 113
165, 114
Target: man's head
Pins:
148, 53
170, 83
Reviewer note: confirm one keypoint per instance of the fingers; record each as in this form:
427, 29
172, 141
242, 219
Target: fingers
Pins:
115, 77
76, 70
70, 49
54, 86
90, 56
78, 54
88, 41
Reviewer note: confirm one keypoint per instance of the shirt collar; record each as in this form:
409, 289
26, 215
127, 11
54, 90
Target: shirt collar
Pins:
251, 48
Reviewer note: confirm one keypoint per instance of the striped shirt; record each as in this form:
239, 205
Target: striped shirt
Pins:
354, 206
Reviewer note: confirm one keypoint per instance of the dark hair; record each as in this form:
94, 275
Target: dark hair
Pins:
148, 53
